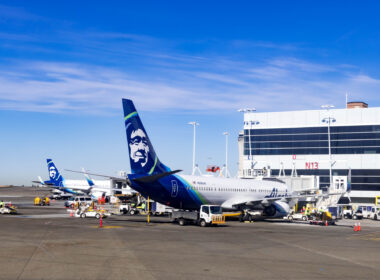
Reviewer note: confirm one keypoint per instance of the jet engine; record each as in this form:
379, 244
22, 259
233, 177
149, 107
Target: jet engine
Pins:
277, 209
270, 210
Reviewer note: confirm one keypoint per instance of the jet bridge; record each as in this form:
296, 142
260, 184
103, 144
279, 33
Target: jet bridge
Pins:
301, 184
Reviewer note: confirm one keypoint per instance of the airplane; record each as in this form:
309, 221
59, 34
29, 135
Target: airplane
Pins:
58, 182
152, 178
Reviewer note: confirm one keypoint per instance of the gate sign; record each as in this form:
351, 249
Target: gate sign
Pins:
312, 165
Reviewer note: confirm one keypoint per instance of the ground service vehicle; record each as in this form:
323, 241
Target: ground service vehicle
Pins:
323, 218
39, 201
93, 214
6, 209
375, 213
159, 209
207, 215
366, 211
357, 215
78, 200
350, 213
297, 216
124, 208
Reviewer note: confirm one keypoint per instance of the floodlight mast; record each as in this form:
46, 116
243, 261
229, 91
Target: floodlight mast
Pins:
226, 171
194, 124
249, 110
328, 120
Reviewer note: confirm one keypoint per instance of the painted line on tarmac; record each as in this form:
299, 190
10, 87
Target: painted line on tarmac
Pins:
107, 227
43, 216
374, 236
314, 251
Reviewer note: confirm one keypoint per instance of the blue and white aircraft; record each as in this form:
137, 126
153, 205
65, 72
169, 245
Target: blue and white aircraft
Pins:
88, 187
152, 178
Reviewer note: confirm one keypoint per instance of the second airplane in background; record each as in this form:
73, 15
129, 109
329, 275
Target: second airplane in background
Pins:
75, 187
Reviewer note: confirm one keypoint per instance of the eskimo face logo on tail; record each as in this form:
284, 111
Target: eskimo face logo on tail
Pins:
138, 147
52, 172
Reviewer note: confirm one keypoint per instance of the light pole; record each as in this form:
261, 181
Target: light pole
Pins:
194, 124
249, 110
329, 120
226, 134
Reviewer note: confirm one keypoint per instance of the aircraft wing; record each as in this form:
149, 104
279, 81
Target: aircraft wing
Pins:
254, 201
100, 175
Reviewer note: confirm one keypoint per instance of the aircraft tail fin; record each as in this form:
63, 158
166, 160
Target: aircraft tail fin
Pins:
88, 178
142, 157
56, 178
41, 181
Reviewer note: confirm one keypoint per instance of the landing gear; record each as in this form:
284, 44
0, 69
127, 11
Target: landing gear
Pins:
245, 216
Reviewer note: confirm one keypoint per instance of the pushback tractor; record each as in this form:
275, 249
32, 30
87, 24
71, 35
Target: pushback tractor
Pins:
207, 215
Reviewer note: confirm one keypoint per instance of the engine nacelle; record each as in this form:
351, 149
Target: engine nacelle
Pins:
277, 209
270, 210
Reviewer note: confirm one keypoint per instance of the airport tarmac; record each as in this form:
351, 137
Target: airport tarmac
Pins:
46, 243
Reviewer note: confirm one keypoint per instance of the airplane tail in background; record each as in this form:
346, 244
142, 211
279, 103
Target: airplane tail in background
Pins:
56, 179
142, 156
88, 178
41, 181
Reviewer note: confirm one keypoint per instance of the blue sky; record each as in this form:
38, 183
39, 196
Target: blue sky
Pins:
64, 67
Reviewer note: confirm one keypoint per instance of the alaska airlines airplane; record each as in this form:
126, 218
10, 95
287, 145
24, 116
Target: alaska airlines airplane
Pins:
58, 182
152, 178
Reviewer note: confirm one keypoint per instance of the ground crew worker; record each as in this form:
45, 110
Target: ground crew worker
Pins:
47, 201
1, 204
37, 201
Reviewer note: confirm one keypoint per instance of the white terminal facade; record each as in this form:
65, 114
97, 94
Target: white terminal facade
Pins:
298, 141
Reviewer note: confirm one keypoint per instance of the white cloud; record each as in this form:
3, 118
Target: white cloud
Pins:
275, 85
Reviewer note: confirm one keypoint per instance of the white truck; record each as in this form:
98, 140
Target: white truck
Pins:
375, 213
159, 209
350, 213
155, 208
207, 215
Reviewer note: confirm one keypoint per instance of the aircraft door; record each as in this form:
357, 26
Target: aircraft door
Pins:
174, 188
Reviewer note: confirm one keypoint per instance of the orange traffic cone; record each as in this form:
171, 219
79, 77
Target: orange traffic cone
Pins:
326, 223
356, 227
359, 228
71, 213
101, 221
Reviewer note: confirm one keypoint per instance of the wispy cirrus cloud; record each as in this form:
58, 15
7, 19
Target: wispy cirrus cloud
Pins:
89, 72
81, 88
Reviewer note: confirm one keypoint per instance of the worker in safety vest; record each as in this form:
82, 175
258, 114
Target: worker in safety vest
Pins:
47, 201
307, 211
37, 201
1, 204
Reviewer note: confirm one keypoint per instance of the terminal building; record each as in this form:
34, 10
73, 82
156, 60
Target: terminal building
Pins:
312, 142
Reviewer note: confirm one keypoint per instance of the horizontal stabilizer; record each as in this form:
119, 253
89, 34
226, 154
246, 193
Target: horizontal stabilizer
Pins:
155, 177
100, 175
44, 183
